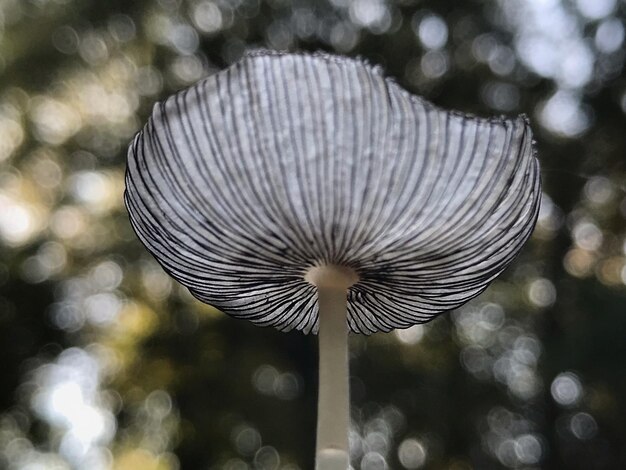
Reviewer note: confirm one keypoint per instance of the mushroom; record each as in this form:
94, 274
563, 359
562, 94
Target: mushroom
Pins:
309, 192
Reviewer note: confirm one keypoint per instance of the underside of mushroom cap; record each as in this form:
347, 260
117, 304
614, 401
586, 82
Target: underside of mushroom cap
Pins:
243, 182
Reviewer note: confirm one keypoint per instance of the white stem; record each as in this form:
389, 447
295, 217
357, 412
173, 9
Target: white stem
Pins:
333, 409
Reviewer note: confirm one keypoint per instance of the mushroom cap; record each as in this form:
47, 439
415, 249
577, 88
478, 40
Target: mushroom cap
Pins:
242, 182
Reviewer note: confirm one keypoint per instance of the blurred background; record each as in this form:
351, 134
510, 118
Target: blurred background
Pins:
108, 364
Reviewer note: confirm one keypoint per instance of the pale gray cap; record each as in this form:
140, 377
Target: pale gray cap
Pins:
241, 183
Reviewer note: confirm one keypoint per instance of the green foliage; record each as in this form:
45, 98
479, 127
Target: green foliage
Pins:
107, 364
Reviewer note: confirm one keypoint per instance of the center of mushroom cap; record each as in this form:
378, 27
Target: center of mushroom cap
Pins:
332, 276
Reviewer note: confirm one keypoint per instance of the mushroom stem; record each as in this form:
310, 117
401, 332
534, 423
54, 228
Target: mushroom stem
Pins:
333, 409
